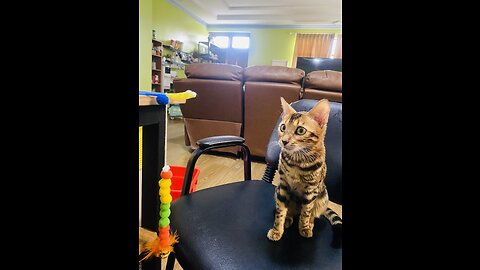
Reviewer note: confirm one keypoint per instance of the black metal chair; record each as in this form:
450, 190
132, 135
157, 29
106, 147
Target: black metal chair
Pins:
225, 227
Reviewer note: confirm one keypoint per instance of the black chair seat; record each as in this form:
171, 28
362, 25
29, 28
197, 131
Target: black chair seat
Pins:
231, 221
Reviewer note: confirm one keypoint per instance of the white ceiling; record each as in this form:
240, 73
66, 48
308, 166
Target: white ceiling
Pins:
280, 13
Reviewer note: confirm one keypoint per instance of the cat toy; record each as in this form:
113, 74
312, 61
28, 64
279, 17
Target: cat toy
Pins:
162, 245
170, 98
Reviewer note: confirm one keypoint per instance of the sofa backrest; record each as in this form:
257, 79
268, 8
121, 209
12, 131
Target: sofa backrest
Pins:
274, 74
219, 88
264, 85
214, 71
218, 107
323, 84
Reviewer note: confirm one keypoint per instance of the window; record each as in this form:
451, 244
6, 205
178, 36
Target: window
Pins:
221, 41
317, 45
230, 47
337, 47
240, 42
334, 46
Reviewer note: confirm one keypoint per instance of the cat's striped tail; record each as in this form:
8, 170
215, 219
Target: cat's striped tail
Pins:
336, 222
333, 217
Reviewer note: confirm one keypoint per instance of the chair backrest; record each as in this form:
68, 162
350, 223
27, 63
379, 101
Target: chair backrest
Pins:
333, 146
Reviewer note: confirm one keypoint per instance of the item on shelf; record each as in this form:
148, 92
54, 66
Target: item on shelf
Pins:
184, 56
154, 35
174, 111
157, 51
176, 44
155, 79
167, 79
179, 45
202, 48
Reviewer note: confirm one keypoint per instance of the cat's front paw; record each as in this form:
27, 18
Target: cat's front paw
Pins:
306, 232
274, 235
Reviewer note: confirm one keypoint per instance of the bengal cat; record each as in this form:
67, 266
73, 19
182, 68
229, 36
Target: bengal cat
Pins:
302, 171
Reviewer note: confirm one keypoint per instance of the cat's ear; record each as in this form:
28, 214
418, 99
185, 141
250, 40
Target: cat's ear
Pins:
320, 112
287, 109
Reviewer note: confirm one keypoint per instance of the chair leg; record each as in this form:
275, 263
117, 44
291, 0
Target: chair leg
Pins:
170, 261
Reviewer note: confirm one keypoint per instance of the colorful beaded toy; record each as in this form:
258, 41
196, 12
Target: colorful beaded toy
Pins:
162, 245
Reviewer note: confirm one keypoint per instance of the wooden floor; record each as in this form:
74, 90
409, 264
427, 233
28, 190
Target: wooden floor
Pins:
214, 169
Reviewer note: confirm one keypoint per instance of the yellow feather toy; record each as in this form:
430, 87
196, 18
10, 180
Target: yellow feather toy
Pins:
182, 95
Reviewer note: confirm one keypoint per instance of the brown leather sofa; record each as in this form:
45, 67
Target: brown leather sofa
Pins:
217, 109
245, 102
264, 85
321, 84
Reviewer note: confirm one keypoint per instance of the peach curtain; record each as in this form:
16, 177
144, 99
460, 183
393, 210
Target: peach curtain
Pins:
312, 45
338, 47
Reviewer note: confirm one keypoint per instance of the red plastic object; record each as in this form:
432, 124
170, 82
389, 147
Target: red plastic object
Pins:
177, 180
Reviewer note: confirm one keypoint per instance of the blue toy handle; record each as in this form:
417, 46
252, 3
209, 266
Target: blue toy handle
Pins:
161, 97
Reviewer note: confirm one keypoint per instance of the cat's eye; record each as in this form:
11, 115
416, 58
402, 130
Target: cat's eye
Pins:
300, 130
282, 127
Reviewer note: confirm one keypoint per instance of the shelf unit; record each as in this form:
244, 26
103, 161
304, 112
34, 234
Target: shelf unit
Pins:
181, 60
157, 70
214, 54
174, 59
177, 61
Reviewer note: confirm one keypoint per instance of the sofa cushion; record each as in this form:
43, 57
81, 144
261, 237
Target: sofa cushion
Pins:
274, 74
328, 80
219, 100
214, 71
320, 94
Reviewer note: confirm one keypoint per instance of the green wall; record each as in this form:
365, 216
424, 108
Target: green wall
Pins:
172, 23
267, 44
145, 44
169, 22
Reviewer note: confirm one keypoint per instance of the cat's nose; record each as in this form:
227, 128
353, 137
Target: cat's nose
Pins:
284, 142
